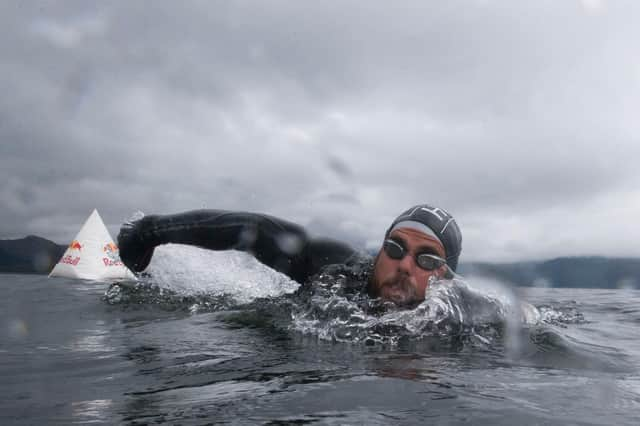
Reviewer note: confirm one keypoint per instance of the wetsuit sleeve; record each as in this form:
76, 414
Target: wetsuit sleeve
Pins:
281, 245
320, 252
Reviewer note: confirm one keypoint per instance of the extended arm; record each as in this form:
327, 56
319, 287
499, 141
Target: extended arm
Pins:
281, 245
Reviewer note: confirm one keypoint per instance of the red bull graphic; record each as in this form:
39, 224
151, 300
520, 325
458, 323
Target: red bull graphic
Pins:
111, 255
111, 247
75, 245
70, 260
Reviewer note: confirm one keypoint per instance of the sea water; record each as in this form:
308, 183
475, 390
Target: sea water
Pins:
216, 338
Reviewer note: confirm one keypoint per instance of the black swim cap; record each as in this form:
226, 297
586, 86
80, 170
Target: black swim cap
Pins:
441, 223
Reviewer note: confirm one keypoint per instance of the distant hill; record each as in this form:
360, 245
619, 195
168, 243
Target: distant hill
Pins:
576, 272
38, 255
32, 254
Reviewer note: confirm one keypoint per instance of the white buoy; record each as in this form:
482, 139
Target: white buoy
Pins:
92, 255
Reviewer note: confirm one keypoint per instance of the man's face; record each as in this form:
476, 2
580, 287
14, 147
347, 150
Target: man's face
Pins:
402, 281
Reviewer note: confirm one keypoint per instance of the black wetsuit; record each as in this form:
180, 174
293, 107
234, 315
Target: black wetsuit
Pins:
281, 245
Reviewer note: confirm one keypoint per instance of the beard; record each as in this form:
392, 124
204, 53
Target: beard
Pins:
400, 290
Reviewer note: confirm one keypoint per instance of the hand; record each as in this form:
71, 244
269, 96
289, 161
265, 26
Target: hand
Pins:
135, 251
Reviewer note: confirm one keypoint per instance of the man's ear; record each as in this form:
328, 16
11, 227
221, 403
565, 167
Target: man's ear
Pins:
443, 272
446, 273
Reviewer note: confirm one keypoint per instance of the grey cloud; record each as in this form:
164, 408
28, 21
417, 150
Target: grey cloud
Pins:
336, 115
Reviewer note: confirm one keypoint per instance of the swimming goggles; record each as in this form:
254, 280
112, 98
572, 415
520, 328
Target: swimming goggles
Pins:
426, 261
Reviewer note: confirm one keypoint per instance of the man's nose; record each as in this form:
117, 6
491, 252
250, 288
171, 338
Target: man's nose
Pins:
406, 264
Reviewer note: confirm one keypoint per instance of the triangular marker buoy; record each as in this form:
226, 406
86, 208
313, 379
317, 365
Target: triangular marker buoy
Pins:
92, 255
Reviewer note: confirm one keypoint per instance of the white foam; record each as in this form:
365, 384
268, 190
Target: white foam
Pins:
191, 270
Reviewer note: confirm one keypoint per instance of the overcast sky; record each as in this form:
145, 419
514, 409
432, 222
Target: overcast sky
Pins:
520, 118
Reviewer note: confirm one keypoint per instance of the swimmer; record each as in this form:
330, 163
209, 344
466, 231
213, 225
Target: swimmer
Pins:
420, 245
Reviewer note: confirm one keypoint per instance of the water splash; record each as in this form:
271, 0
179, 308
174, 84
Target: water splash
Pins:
135, 217
561, 314
187, 277
334, 307
188, 270
451, 309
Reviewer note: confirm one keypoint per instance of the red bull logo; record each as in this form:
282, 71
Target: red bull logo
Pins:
75, 245
111, 252
110, 247
70, 260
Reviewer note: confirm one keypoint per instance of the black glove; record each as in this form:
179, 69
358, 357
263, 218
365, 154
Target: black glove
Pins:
136, 243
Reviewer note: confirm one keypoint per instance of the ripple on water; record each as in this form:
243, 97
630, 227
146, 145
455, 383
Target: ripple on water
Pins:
477, 314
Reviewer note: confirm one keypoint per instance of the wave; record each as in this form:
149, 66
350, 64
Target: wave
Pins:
456, 315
